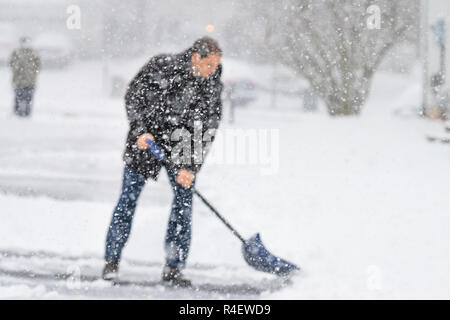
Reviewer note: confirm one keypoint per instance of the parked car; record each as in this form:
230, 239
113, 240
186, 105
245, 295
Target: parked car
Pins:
240, 91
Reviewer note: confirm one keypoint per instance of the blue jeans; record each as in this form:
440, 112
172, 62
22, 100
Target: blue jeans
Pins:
23, 101
178, 236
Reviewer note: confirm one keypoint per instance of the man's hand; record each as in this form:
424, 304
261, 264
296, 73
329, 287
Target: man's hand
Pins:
141, 143
185, 178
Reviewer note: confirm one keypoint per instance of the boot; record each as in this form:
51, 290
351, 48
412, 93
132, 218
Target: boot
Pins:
173, 276
111, 270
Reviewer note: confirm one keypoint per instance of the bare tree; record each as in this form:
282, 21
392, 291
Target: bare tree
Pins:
330, 43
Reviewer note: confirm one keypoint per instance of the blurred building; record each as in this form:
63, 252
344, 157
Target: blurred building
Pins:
105, 28
112, 28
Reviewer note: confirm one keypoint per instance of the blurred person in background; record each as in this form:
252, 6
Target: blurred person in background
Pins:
25, 65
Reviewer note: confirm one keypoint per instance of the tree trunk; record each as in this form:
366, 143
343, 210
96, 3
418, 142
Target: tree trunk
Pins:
344, 107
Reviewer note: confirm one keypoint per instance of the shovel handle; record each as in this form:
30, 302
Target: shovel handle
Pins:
225, 222
159, 154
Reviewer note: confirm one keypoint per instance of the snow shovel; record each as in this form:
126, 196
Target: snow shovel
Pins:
255, 254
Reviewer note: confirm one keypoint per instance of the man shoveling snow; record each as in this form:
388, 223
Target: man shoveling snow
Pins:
164, 102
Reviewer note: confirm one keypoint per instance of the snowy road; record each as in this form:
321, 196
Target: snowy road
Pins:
361, 204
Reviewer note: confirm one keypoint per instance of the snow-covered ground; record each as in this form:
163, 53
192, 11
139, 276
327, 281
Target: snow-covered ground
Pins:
361, 204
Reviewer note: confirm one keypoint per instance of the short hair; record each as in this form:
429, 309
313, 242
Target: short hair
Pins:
206, 46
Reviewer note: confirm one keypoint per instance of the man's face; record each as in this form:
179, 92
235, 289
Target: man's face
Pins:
205, 66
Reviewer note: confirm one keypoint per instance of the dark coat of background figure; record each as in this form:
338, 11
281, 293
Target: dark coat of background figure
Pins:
25, 65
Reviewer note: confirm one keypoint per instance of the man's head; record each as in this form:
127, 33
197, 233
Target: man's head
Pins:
206, 55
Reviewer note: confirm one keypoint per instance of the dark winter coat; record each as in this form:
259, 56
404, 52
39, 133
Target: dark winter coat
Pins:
25, 64
165, 96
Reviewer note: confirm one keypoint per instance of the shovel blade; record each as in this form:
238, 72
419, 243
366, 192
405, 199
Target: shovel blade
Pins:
258, 257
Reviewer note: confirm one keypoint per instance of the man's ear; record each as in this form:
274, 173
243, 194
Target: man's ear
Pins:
195, 57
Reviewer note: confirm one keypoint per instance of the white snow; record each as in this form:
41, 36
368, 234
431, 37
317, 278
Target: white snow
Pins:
361, 204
